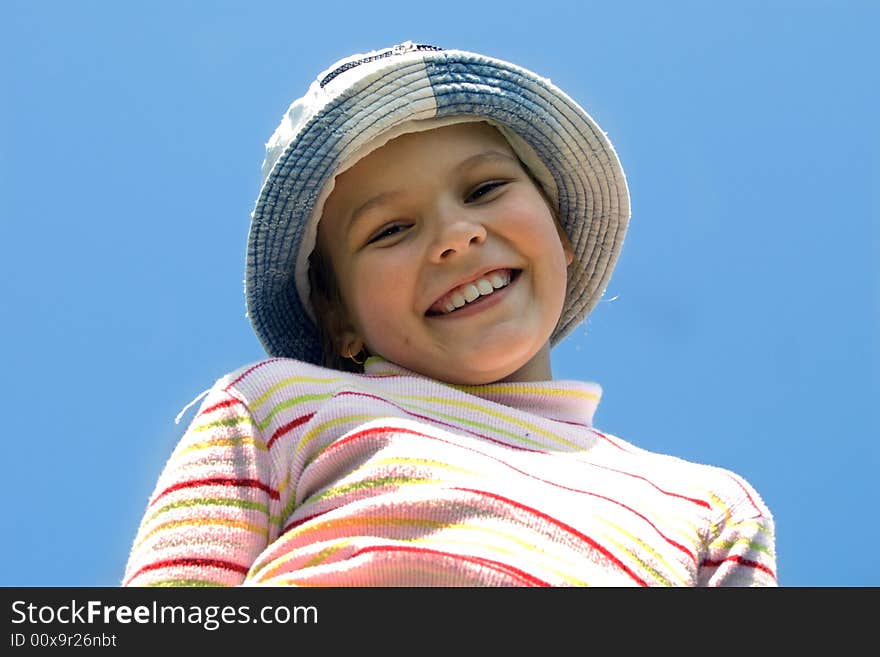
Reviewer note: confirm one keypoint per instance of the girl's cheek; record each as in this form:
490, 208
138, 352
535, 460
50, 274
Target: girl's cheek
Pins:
393, 266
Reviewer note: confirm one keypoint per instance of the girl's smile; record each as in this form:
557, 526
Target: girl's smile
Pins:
471, 292
448, 259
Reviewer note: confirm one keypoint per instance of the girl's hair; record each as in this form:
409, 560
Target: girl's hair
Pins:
326, 299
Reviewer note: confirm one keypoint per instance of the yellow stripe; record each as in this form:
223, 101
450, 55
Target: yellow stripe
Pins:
290, 403
225, 442
752, 546
203, 522
756, 525
276, 565
634, 557
274, 568
206, 501
483, 409
291, 381
225, 422
728, 516
405, 479
473, 423
532, 548
521, 389
307, 438
406, 460
754, 530
311, 434
499, 388
371, 483
326, 553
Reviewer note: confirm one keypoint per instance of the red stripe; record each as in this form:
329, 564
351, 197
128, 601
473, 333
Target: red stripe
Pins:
692, 500
609, 441
739, 483
280, 431
435, 421
545, 517
496, 565
219, 405
675, 544
714, 563
366, 433
219, 481
183, 563
564, 526
251, 369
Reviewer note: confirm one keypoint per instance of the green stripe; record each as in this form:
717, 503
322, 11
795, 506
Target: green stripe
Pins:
367, 483
753, 546
636, 560
230, 422
208, 501
293, 380
493, 430
296, 401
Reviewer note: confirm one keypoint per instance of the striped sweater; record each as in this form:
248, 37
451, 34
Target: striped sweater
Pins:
293, 474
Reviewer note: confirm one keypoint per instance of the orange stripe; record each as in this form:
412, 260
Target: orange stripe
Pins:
564, 526
496, 565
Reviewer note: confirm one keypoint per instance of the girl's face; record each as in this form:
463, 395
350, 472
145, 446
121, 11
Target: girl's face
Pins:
448, 259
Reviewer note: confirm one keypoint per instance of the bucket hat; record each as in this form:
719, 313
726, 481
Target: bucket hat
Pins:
362, 101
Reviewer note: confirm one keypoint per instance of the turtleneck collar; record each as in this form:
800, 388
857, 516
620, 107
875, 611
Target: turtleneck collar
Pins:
565, 400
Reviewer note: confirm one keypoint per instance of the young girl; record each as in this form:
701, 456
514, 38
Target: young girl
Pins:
430, 222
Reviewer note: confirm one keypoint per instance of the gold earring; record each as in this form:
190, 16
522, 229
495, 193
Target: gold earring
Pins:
352, 358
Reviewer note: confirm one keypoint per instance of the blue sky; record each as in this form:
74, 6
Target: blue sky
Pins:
740, 327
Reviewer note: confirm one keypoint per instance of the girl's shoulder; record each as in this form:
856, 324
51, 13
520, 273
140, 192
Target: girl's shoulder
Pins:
716, 484
257, 379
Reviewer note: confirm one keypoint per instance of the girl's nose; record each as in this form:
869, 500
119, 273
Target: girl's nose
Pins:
455, 236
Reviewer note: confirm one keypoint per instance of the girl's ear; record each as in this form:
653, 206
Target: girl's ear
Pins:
339, 340
350, 344
345, 340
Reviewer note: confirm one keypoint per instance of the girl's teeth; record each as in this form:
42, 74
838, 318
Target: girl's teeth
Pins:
470, 292
473, 291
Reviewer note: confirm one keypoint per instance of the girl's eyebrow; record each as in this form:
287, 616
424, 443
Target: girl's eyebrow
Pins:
468, 163
488, 156
371, 203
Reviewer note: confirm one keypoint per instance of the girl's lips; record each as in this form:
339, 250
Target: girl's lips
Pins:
443, 307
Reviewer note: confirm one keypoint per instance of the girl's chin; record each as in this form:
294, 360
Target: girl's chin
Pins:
480, 371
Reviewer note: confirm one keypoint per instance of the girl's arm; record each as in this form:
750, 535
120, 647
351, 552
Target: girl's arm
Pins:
212, 510
741, 546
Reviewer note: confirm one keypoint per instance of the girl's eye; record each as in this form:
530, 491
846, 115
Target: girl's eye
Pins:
483, 189
386, 231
